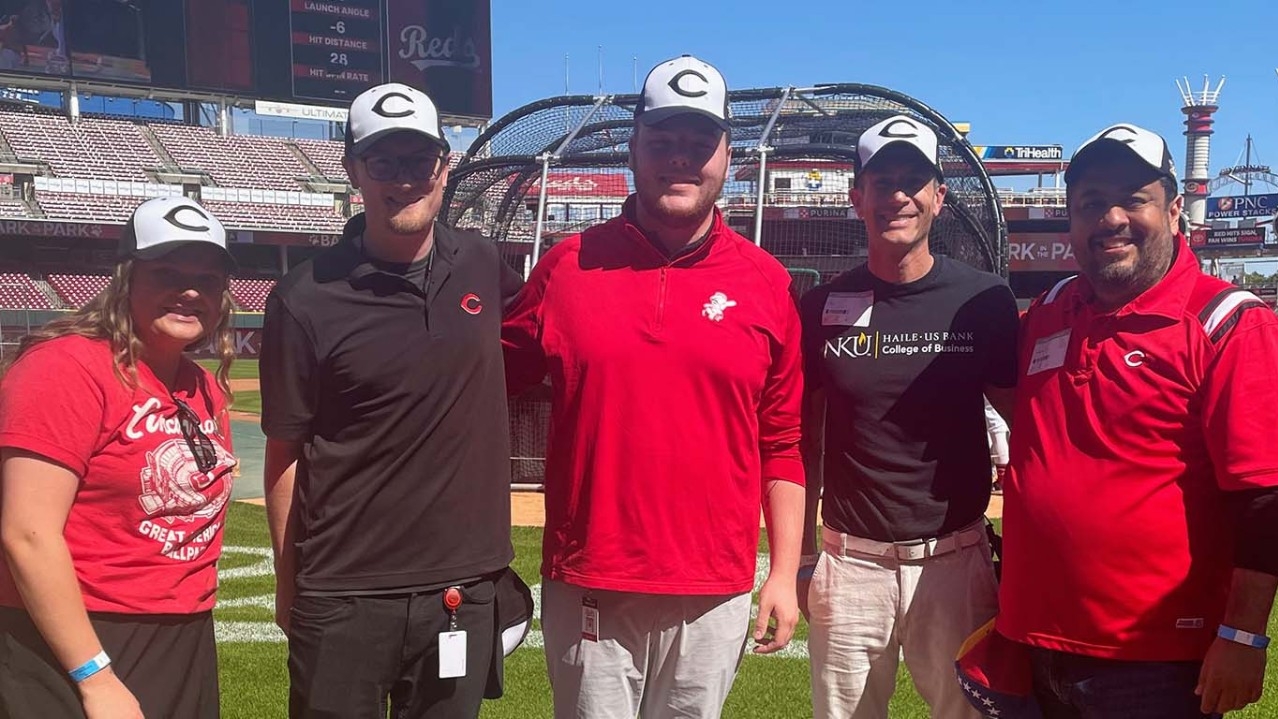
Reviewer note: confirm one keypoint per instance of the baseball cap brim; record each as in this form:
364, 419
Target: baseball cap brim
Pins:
878, 155
661, 114
155, 252
359, 148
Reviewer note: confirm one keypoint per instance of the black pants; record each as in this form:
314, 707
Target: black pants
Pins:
353, 657
168, 661
1070, 686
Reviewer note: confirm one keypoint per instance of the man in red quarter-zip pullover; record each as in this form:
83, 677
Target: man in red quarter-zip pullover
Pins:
673, 349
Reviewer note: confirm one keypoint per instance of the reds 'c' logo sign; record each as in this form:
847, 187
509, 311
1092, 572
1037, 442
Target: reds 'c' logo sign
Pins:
471, 304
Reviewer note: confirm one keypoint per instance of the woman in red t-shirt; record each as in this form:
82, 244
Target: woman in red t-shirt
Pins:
116, 470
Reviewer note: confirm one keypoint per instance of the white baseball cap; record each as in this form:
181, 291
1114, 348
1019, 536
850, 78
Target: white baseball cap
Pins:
164, 224
385, 109
898, 130
683, 85
1147, 147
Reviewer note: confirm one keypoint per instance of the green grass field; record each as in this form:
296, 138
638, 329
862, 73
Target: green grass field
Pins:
245, 400
254, 676
255, 679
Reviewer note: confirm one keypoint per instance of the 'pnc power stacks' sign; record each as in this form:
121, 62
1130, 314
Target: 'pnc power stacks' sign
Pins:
1019, 152
1226, 208
1232, 237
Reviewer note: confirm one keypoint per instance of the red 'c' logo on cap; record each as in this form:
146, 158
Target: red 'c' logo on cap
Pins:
471, 304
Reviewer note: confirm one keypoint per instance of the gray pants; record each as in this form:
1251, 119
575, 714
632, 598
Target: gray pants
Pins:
656, 656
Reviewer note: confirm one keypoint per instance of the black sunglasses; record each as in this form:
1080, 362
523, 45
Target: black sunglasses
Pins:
199, 443
418, 167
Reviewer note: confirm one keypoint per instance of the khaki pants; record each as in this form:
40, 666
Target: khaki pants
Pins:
867, 611
657, 656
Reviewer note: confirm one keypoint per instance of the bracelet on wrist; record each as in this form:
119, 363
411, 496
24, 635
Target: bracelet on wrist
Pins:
1238, 636
99, 662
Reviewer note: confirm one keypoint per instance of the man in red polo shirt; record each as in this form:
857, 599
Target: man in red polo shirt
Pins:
1141, 517
673, 349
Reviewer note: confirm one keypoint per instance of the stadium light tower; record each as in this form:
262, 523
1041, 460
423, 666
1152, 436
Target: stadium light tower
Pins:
1199, 109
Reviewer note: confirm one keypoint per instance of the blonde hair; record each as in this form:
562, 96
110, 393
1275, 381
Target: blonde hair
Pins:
107, 317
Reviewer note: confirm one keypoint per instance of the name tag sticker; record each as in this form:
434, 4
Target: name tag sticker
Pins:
848, 309
1049, 352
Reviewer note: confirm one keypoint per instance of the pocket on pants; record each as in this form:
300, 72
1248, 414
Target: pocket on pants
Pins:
819, 569
481, 592
316, 610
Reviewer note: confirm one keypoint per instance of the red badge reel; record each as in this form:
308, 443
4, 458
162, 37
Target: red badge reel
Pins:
452, 599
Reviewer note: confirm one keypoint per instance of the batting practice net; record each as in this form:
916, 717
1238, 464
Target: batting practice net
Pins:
555, 167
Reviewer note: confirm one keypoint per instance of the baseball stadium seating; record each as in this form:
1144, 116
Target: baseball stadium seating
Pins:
250, 294
76, 290
18, 291
86, 207
95, 148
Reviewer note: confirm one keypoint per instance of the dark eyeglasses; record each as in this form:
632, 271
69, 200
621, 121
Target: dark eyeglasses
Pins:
418, 167
199, 443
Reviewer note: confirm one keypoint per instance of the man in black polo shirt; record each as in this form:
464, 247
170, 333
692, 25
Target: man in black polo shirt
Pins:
387, 462
897, 355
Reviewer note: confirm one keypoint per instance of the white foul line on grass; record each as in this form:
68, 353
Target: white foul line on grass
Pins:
267, 632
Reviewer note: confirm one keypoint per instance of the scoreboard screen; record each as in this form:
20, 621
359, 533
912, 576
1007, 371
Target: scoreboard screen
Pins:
318, 51
336, 48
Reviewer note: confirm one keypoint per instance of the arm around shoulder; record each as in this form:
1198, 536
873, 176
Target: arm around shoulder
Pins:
521, 328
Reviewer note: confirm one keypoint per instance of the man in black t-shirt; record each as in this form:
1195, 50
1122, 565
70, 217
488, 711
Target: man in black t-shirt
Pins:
897, 355
387, 457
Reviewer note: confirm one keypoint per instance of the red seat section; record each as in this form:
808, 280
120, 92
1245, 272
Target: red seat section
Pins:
77, 290
250, 294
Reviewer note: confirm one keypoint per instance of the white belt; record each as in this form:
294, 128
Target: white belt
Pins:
910, 551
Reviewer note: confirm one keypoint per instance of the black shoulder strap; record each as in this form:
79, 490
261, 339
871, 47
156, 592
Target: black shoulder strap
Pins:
1221, 314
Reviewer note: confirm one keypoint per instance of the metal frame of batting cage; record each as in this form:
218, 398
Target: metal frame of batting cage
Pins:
491, 190
592, 131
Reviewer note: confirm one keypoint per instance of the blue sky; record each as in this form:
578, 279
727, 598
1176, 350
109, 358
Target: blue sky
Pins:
1028, 72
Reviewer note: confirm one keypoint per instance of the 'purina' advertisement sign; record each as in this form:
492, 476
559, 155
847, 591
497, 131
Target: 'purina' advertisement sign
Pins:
444, 47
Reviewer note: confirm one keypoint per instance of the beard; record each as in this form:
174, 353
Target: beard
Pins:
416, 225
1153, 259
413, 220
681, 211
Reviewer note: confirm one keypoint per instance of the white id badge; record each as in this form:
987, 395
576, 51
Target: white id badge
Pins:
589, 619
848, 309
452, 655
1049, 352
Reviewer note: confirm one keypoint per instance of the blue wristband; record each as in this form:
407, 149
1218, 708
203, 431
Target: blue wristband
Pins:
89, 668
1238, 636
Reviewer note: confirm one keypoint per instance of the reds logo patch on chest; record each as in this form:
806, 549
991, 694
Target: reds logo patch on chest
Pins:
718, 303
